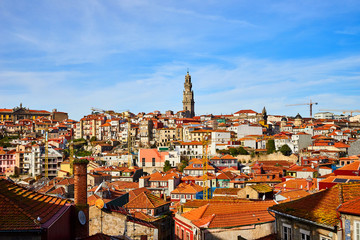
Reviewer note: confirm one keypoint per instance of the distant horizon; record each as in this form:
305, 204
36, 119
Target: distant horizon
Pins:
163, 112
134, 55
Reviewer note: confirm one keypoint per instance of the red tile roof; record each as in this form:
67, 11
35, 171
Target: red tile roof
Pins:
301, 169
219, 215
161, 176
136, 192
352, 166
22, 209
226, 191
298, 183
184, 188
234, 219
294, 194
145, 200
351, 207
323, 205
245, 111
345, 178
66, 181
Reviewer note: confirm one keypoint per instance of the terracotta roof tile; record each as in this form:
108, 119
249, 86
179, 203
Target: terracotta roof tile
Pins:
352, 166
145, 200
234, 219
227, 208
219, 215
226, 191
294, 194
323, 204
184, 188
351, 207
20, 208
261, 188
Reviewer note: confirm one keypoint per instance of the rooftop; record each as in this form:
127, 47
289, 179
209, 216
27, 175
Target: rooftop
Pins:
23, 209
322, 209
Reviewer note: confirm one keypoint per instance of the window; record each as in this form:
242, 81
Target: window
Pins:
305, 235
143, 162
356, 230
325, 238
153, 162
287, 232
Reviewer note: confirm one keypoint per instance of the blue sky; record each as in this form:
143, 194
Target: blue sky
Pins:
74, 55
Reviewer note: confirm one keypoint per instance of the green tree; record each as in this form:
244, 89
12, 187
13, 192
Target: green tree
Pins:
92, 139
183, 165
270, 146
167, 166
242, 151
233, 151
285, 150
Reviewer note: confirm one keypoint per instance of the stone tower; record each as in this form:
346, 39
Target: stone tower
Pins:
188, 97
264, 115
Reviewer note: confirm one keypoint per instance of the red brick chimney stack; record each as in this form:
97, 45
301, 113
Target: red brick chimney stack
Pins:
80, 179
81, 213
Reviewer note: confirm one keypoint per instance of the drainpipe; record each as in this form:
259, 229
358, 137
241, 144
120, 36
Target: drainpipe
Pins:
341, 200
338, 216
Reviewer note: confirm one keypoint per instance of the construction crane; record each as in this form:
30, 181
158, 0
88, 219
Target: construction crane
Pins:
71, 158
205, 142
47, 153
341, 110
309, 103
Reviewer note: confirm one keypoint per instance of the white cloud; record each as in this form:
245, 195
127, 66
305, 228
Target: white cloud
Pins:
251, 83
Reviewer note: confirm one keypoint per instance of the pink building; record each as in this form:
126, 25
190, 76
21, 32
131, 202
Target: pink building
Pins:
7, 160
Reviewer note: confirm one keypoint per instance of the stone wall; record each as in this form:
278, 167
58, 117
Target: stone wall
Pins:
354, 148
113, 224
247, 232
268, 157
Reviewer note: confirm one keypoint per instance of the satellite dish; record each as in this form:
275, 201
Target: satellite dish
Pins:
82, 217
99, 203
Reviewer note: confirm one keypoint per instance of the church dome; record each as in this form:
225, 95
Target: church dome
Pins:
298, 116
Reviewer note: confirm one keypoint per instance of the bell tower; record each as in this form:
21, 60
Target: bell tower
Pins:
188, 96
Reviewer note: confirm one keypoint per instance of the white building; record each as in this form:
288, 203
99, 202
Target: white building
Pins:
324, 115
246, 129
300, 140
34, 161
190, 149
219, 139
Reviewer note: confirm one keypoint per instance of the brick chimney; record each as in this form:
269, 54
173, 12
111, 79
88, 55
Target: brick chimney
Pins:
81, 223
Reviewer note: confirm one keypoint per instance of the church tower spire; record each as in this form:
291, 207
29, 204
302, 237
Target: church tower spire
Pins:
188, 96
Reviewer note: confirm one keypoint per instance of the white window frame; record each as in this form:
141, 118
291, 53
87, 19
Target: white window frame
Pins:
322, 237
356, 231
304, 234
289, 233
